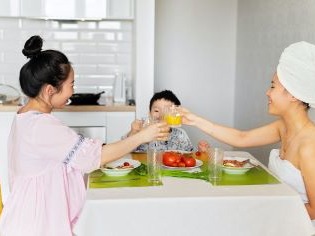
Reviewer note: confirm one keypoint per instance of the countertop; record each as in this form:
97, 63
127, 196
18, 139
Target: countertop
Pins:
77, 108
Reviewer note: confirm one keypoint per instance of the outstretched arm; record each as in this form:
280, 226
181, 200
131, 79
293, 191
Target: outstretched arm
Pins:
114, 151
255, 137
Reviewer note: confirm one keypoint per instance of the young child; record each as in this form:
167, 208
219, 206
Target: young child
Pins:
47, 160
178, 138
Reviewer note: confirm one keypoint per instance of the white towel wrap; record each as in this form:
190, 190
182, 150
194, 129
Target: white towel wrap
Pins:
296, 71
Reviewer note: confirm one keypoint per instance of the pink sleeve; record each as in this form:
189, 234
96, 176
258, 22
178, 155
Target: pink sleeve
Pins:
85, 155
59, 143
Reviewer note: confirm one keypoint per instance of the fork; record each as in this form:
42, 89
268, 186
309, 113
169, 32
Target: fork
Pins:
249, 162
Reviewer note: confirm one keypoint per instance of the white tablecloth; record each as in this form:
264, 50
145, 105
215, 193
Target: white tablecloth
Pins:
188, 207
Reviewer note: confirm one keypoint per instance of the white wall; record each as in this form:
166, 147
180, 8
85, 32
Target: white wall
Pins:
219, 56
265, 28
97, 49
195, 56
144, 54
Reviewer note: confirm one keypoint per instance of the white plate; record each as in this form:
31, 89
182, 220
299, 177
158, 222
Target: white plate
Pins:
119, 171
198, 164
238, 170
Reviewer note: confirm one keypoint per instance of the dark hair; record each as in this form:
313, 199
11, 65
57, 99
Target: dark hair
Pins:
166, 95
44, 67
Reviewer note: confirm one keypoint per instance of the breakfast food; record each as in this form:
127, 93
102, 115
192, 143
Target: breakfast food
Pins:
234, 163
176, 159
125, 165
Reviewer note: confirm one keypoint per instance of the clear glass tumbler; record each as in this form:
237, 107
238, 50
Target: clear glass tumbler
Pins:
215, 163
154, 158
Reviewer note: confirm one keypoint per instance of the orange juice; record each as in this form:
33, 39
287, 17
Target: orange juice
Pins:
173, 120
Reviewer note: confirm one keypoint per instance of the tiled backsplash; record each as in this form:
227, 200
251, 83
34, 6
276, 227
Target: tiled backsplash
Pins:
97, 49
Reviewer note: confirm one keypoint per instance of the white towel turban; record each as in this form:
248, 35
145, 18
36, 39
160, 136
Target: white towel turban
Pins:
296, 71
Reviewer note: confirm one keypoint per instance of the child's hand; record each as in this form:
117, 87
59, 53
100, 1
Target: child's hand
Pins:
136, 126
157, 131
203, 146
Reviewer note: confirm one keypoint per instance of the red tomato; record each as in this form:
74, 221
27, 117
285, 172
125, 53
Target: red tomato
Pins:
198, 153
181, 164
126, 164
175, 164
169, 159
190, 161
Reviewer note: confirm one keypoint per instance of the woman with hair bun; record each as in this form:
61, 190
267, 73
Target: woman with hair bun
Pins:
47, 160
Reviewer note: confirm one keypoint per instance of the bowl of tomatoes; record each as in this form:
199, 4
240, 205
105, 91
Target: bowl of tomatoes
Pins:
179, 160
120, 167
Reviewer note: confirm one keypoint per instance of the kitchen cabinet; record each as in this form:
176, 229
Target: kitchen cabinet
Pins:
121, 9
70, 10
107, 126
10, 8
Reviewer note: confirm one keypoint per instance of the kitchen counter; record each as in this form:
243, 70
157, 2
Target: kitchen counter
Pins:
77, 108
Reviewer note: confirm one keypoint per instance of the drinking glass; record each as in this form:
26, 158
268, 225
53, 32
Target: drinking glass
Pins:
215, 162
172, 116
154, 158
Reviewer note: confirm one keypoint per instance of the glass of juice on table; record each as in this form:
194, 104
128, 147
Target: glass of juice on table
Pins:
172, 116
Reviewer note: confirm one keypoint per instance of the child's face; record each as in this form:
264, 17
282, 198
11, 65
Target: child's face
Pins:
158, 107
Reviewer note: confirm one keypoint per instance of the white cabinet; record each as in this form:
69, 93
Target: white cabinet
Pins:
107, 126
120, 9
68, 10
89, 124
118, 124
10, 8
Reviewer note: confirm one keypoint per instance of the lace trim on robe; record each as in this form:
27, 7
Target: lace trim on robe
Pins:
74, 149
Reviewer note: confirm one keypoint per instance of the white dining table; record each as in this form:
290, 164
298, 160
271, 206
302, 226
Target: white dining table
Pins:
187, 207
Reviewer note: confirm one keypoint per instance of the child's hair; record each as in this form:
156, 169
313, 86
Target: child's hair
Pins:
44, 67
166, 95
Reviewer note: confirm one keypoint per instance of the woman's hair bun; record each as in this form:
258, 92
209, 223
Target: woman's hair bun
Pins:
33, 46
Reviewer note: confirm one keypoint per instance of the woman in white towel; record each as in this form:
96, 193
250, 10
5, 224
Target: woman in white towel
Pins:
291, 94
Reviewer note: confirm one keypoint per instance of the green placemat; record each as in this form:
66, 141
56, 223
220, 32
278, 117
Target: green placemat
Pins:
255, 176
138, 178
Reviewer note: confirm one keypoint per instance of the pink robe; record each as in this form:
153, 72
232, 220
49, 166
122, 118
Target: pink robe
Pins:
47, 161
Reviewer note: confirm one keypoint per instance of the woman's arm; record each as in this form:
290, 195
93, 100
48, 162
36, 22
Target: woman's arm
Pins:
307, 167
255, 137
114, 151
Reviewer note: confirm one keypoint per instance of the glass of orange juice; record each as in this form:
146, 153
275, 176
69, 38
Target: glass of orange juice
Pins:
172, 116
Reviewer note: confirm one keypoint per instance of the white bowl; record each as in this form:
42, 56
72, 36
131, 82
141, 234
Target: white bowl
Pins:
111, 169
238, 170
